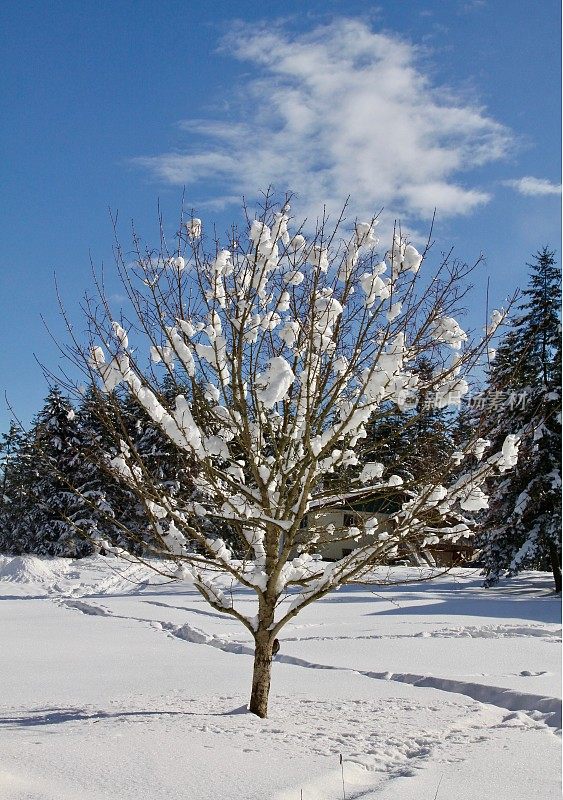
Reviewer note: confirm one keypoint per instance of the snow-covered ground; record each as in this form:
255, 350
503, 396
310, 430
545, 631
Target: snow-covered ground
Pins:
114, 687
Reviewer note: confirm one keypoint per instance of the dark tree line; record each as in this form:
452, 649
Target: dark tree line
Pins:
60, 497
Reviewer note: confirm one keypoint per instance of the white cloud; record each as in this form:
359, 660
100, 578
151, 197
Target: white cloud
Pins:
339, 111
534, 186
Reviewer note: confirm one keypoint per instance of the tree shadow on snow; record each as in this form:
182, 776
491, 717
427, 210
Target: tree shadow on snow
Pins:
492, 608
517, 598
200, 611
58, 716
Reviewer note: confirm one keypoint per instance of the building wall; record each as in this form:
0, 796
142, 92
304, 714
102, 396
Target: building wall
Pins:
444, 555
333, 551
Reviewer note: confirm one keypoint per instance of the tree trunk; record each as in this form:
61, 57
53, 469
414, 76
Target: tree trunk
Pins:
262, 674
555, 565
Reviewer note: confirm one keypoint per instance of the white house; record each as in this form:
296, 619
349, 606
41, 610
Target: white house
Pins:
331, 516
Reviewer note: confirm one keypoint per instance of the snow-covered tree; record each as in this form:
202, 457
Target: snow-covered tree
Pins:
110, 505
164, 460
522, 527
54, 500
60, 519
290, 346
10, 447
414, 440
18, 472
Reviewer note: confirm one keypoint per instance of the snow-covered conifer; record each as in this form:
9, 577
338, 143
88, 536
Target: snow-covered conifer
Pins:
18, 473
415, 435
60, 519
522, 527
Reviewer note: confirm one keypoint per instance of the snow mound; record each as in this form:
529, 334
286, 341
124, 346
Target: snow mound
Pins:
28, 569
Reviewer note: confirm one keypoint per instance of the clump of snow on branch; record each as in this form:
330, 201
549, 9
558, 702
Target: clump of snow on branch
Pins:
448, 330
271, 386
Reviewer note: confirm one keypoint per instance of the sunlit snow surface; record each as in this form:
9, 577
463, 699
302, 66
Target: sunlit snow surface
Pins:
115, 687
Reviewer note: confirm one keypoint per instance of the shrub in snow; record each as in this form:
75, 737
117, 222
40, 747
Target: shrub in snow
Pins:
283, 349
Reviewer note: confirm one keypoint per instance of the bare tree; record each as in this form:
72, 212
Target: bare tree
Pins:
283, 349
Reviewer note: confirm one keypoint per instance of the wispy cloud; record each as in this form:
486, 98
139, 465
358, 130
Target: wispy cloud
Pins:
473, 5
336, 111
534, 186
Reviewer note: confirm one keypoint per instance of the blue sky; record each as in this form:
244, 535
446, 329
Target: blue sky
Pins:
402, 104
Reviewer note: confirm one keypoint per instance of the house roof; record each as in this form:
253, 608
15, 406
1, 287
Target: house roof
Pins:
390, 498
364, 493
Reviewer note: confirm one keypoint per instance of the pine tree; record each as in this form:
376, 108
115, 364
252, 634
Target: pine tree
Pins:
522, 527
62, 500
60, 520
109, 505
58, 495
9, 449
18, 473
414, 439
163, 459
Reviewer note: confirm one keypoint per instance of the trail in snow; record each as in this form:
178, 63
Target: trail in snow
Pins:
538, 707
86, 608
464, 632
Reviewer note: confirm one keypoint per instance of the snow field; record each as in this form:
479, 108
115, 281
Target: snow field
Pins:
113, 687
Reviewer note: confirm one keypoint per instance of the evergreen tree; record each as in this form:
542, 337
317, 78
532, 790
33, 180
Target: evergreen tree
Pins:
58, 493
18, 473
9, 448
110, 504
166, 466
116, 506
165, 462
415, 439
60, 519
522, 527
